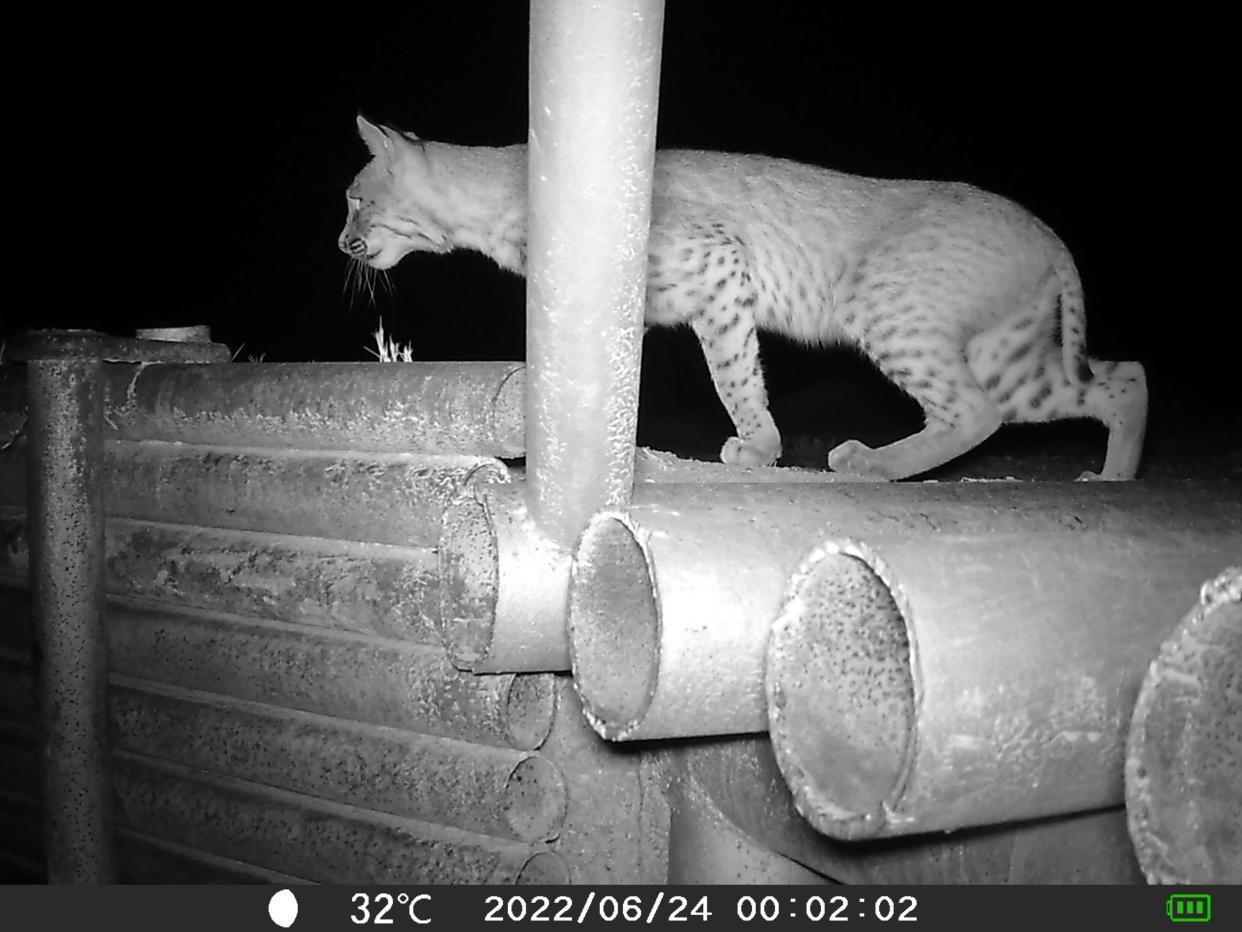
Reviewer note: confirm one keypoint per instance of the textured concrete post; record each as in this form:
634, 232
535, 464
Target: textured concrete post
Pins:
594, 82
67, 584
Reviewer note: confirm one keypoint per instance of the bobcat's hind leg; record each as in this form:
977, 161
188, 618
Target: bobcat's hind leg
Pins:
1117, 396
959, 414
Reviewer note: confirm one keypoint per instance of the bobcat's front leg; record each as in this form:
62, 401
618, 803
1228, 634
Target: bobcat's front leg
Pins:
731, 348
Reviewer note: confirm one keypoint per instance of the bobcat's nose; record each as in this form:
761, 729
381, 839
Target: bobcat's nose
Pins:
354, 246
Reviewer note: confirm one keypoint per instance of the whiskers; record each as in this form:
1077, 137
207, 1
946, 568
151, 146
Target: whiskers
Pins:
361, 279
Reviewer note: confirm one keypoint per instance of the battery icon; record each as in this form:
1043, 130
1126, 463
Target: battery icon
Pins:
1189, 907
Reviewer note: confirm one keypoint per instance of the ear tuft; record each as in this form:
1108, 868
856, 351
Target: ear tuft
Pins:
376, 137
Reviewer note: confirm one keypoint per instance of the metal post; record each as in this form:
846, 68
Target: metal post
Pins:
66, 528
594, 81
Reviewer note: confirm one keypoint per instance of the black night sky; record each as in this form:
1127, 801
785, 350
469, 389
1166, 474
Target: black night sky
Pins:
219, 149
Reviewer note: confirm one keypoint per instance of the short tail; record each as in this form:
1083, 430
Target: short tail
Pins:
1071, 318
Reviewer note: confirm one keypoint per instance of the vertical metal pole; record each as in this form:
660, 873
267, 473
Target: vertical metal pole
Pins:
594, 85
66, 515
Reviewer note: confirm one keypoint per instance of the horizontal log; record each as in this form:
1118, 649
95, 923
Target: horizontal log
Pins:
945, 671
321, 841
508, 794
458, 408
505, 584
355, 677
1184, 756
385, 498
92, 345
486, 790
741, 778
381, 498
376, 589
470, 408
143, 859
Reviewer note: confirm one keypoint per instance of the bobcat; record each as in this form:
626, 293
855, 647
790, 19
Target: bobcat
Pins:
962, 298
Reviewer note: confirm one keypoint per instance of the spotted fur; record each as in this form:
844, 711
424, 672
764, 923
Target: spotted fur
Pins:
962, 298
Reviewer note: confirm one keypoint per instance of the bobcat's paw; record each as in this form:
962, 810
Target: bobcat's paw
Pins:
1090, 476
857, 459
737, 452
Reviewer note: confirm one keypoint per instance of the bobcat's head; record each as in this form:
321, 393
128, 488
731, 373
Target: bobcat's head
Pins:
393, 202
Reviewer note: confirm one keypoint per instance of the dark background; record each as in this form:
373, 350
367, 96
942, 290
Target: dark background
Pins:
205, 158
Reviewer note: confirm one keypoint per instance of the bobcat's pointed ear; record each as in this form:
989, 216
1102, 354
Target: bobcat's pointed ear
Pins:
375, 137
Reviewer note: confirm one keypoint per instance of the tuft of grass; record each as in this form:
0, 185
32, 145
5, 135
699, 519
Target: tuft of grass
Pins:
251, 358
389, 350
